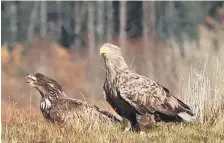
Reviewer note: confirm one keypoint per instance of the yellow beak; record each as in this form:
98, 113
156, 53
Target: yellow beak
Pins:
104, 50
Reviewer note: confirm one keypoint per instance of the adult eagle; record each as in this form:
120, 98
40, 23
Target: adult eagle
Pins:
56, 106
131, 94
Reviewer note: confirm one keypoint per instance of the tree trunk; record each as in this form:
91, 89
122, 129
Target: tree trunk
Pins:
170, 8
149, 22
59, 20
145, 22
77, 19
110, 20
100, 21
91, 34
123, 18
43, 18
79, 16
33, 18
149, 18
13, 22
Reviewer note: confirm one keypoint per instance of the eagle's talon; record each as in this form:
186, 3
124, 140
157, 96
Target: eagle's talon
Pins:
127, 129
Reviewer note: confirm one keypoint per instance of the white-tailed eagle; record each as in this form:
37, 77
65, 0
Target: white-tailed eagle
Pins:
131, 94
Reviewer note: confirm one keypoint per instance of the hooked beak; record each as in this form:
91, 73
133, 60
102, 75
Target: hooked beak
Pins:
104, 50
30, 78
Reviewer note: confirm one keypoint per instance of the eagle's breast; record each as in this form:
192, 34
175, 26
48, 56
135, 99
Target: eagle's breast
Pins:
116, 102
45, 106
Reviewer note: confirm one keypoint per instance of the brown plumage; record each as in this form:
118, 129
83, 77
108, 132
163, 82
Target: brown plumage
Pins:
131, 94
56, 106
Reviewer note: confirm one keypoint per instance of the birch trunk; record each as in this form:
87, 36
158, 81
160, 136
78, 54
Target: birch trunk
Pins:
43, 18
79, 16
91, 35
109, 20
149, 21
13, 21
145, 22
123, 18
100, 21
33, 18
149, 18
59, 20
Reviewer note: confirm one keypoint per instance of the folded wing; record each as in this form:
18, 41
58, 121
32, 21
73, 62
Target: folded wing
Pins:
146, 95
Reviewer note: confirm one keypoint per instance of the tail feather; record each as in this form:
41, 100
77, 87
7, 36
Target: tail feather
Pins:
186, 117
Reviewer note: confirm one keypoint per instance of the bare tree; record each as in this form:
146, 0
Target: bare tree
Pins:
109, 20
43, 18
59, 20
33, 18
13, 21
170, 8
149, 18
146, 17
152, 17
149, 21
79, 16
123, 19
100, 21
91, 34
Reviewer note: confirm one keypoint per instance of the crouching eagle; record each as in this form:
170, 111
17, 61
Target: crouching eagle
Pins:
131, 94
56, 106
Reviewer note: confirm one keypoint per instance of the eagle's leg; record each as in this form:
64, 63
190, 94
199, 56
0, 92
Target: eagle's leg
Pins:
135, 126
132, 123
128, 128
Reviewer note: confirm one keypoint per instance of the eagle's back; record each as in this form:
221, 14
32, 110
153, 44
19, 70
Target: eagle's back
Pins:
139, 90
67, 110
146, 95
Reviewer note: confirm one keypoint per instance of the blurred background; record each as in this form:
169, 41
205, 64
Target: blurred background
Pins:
179, 44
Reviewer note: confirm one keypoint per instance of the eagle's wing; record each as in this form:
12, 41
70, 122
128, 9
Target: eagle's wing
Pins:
64, 108
146, 95
66, 103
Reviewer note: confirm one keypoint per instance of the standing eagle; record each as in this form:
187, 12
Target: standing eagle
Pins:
131, 94
56, 106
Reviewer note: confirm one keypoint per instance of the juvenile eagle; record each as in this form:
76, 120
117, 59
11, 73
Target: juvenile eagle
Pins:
131, 94
56, 106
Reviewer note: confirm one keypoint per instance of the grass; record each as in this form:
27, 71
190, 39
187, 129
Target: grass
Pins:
29, 126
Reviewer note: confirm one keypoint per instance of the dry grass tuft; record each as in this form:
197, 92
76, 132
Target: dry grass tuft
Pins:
29, 126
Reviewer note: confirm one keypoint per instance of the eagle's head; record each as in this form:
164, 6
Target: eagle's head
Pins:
111, 51
113, 57
47, 87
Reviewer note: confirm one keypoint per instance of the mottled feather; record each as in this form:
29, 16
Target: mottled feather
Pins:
56, 106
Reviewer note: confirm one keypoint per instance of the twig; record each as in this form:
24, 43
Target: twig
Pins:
104, 104
103, 68
83, 96
30, 103
132, 61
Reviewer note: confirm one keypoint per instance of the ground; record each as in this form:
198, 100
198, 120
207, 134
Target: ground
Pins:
29, 126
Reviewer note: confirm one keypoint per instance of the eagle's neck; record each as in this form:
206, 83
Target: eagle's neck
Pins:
45, 95
114, 67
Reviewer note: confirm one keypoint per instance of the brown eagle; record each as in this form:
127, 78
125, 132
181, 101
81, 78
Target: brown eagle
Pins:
131, 94
56, 106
